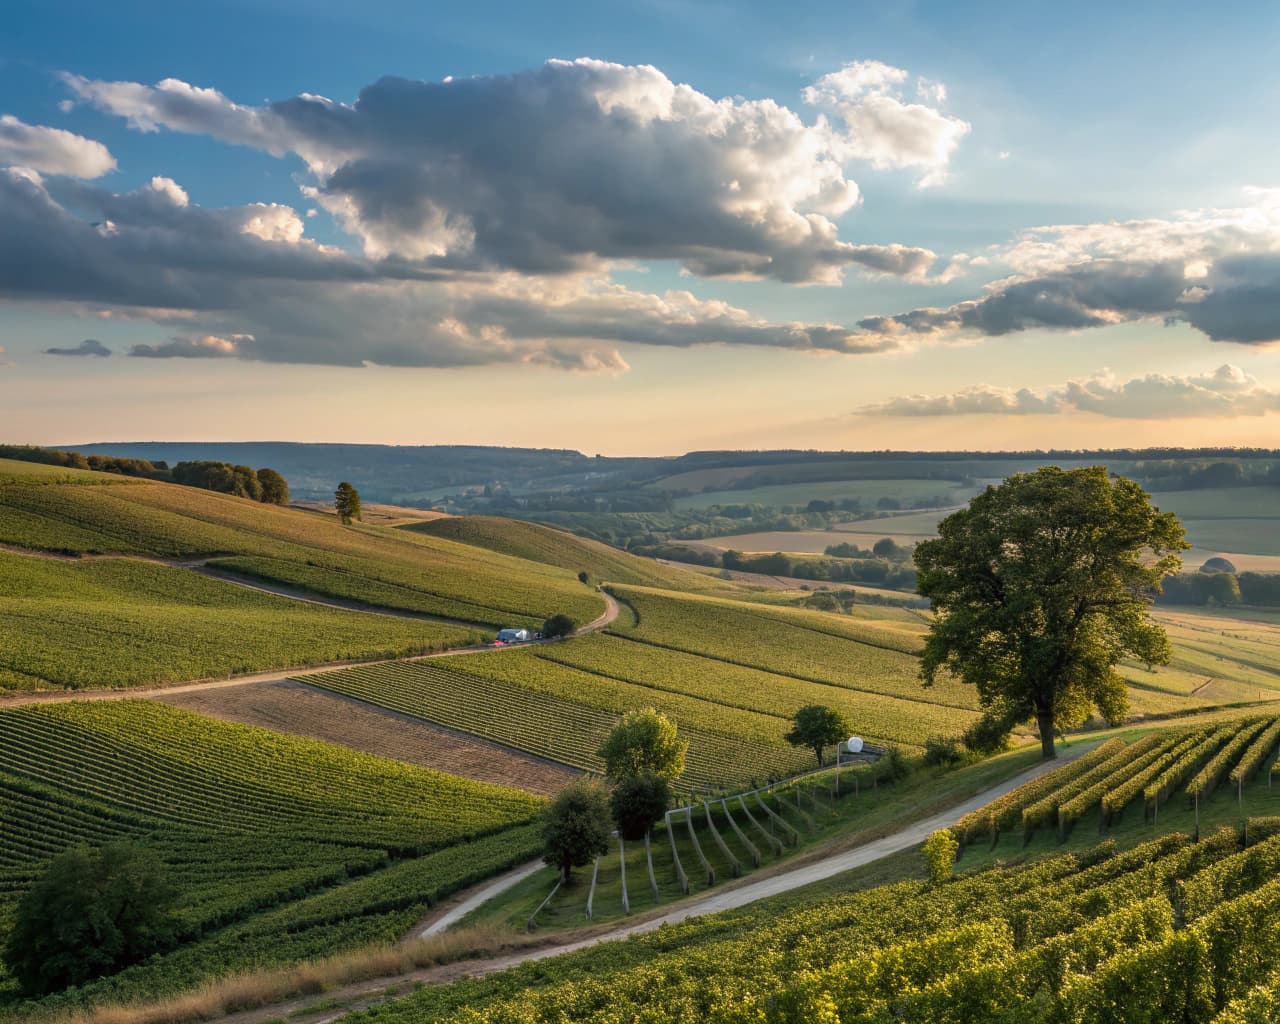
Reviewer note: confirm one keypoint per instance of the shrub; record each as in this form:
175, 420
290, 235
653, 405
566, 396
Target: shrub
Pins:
92, 913
944, 751
892, 765
559, 625
940, 851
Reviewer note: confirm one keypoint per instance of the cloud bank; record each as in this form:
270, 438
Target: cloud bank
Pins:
578, 163
1226, 392
1217, 270
245, 283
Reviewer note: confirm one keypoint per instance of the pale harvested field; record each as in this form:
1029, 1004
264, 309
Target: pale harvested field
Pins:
302, 711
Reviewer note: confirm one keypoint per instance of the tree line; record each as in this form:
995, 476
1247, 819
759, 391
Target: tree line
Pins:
1222, 589
265, 485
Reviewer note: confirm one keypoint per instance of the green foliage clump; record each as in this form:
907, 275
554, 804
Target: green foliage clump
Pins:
645, 742
577, 826
944, 752
92, 912
223, 477
638, 802
275, 488
1041, 586
940, 851
817, 727
559, 625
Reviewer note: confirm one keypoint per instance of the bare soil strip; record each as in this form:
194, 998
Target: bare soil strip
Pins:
300, 710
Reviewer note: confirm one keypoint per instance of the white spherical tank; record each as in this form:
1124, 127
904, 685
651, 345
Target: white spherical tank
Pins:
854, 744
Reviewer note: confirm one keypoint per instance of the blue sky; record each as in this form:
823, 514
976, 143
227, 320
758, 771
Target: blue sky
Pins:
547, 307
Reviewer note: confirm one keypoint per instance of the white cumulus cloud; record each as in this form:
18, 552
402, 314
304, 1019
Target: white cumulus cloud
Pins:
1217, 269
566, 167
52, 150
883, 127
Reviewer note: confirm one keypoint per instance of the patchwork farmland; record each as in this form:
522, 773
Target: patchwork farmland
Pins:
385, 762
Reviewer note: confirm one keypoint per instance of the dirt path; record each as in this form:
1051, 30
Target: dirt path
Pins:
16, 699
477, 896
368, 993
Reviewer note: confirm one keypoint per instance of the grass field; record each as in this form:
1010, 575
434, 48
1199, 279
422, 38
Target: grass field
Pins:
868, 492
281, 848
1241, 522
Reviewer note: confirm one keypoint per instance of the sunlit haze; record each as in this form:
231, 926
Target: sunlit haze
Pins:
647, 228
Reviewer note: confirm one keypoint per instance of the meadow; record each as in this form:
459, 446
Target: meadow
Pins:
280, 847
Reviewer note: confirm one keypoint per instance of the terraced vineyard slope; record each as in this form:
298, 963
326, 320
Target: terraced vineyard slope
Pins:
281, 848
123, 622
1089, 936
74, 512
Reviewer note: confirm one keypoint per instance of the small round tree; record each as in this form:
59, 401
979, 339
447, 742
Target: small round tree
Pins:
275, 488
644, 743
638, 803
92, 912
346, 502
577, 826
559, 625
817, 727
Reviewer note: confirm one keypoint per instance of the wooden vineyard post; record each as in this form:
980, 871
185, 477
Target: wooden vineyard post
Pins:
622, 864
648, 857
591, 894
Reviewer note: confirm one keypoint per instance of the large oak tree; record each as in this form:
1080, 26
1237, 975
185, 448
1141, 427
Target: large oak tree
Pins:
1040, 587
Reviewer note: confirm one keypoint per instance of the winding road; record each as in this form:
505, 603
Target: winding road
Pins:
367, 993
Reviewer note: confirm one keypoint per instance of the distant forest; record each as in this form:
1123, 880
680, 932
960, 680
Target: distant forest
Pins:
265, 485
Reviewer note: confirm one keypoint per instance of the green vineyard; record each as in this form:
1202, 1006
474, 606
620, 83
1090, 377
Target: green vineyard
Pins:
442, 577
275, 843
539, 722
120, 622
821, 648
1155, 770
1086, 937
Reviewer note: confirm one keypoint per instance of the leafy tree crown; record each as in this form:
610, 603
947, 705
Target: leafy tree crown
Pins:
644, 743
1041, 586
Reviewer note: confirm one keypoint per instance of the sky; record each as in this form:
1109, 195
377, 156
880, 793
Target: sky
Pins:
644, 227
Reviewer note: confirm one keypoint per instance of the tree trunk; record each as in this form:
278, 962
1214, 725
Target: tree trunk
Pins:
818, 751
1044, 719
